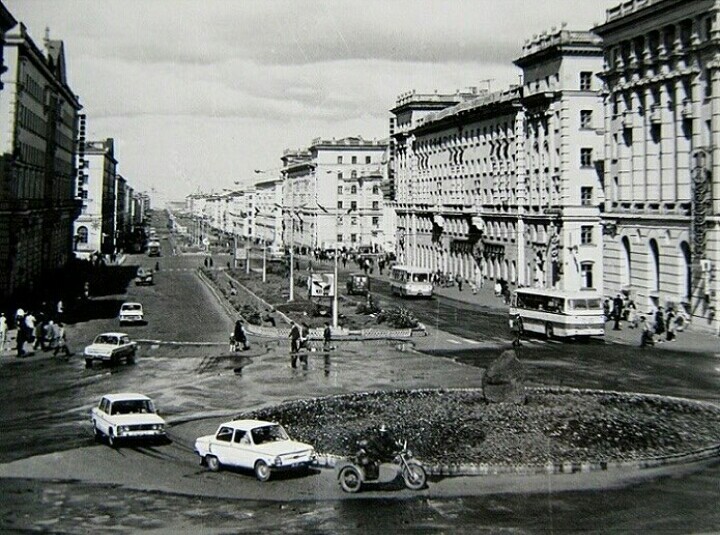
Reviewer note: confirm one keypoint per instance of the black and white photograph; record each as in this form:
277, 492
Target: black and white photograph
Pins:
364, 267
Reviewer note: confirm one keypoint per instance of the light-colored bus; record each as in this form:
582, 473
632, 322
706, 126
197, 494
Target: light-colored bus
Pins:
411, 281
556, 313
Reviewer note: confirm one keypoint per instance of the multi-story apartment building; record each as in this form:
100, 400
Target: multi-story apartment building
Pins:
122, 212
504, 185
268, 210
38, 133
332, 194
95, 226
662, 154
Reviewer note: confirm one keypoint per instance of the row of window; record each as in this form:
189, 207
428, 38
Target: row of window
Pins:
353, 205
354, 190
354, 159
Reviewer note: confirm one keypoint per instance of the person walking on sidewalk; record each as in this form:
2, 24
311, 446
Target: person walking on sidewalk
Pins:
61, 341
294, 344
3, 331
459, 282
646, 333
670, 325
659, 323
327, 337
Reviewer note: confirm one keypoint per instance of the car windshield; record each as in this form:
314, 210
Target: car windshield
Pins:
132, 406
132, 307
269, 433
107, 339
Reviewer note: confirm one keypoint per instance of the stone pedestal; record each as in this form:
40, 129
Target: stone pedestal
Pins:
503, 381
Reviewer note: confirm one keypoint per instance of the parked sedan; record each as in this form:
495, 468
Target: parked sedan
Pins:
111, 347
262, 446
126, 416
131, 313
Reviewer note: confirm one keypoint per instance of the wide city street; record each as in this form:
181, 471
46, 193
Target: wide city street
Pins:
56, 478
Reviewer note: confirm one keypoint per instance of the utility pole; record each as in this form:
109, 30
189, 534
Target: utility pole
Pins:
292, 245
335, 273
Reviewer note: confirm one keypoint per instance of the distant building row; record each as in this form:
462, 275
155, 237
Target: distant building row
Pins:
47, 209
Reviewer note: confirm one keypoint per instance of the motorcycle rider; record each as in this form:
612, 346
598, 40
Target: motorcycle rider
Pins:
380, 447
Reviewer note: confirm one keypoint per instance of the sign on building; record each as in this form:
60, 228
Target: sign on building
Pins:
321, 285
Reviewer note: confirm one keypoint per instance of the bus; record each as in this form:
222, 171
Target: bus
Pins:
409, 281
556, 313
153, 248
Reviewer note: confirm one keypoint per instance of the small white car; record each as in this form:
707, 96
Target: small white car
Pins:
261, 446
131, 313
126, 416
111, 347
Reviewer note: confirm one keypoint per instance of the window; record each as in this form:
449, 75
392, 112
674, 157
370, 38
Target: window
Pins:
375, 205
239, 435
353, 190
353, 174
585, 81
368, 159
353, 221
82, 233
376, 190
586, 275
339, 160
353, 238
340, 205
354, 159
340, 238
340, 190
586, 235
708, 83
353, 205
375, 221
225, 434
585, 118
586, 194
586, 157
340, 176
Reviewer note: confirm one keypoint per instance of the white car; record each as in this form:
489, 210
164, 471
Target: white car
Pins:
111, 347
126, 416
262, 446
131, 313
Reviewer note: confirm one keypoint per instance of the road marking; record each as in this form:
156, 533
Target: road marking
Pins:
470, 341
453, 341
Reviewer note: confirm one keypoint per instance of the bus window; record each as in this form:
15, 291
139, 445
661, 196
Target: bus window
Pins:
594, 304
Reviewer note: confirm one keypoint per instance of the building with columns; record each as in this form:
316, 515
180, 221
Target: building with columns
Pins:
506, 185
662, 155
332, 194
38, 145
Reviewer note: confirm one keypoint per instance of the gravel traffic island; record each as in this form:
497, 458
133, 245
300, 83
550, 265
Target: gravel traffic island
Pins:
457, 432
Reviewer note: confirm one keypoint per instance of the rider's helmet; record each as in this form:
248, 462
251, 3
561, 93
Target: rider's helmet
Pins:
383, 428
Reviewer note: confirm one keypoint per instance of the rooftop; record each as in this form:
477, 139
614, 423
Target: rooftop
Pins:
497, 97
447, 98
558, 37
351, 141
627, 7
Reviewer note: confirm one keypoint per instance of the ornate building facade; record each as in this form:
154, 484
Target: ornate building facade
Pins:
38, 143
662, 154
505, 185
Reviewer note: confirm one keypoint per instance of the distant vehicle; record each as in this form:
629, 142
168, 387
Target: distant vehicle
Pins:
275, 253
111, 347
126, 416
262, 446
144, 277
131, 313
556, 313
409, 281
358, 284
153, 248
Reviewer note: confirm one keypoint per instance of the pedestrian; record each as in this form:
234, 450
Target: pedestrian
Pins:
617, 311
240, 336
670, 325
498, 288
304, 336
50, 335
473, 287
294, 343
327, 337
157, 266
60, 309
344, 260
632, 315
269, 317
3, 331
459, 281
39, 333
61, 339
659, 323
646, 333
30, 327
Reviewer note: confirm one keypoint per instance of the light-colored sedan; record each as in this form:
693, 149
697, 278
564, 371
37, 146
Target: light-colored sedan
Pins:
111, 347
261, 446
131, 313
126, 416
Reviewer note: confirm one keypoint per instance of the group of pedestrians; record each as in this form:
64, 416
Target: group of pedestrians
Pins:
44, 331
299, 338
657, 326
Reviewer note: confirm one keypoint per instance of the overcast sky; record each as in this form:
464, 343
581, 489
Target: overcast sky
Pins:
200, 93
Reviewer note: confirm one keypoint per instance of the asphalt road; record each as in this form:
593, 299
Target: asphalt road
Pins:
45, 405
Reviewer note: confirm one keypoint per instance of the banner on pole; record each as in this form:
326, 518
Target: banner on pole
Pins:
321, 285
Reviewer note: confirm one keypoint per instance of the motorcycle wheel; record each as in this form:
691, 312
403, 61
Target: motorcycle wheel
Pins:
414, 476
350, 479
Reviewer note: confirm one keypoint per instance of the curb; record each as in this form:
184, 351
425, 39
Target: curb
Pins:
285, 318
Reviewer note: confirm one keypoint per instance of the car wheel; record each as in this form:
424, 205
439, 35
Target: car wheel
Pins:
350, 479
549, 331
88, 363
212, 463
262, 471
112, 441
96, 433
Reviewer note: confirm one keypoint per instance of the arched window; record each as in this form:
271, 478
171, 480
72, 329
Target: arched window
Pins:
654, 266
82, 235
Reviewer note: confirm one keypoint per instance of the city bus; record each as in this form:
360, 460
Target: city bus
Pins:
409, 281
556, 313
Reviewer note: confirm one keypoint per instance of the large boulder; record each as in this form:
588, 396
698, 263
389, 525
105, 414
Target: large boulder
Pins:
503, 380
